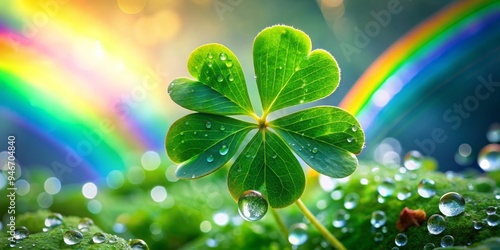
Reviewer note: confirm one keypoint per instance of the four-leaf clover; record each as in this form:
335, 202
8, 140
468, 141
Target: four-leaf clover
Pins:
287, 73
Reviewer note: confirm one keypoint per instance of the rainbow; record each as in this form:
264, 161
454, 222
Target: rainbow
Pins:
79, 89
394, 73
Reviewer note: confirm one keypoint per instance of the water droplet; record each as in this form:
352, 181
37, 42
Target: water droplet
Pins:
395, 248
223, 56
447, 241
280, 67
230, 77
478, 224
220, 78
350, 139
340, 218
378, 219
386, 188
210, 55
354, 128
413, 160
301, 101
426, 188
72, 237
85, 222
493, 220
298, 234
21, 233
451, 204
314, 150
229, 63
210, 65
491, 210
493, 133
182, 141
223, 150
401, 239
210, 158
112, 239
275, 156
378, 236
138, 244
436, 224
53, 220
193, 176
195, 132
489, 158
182, 133
12, 244
170, 88
252, 206
404, 193
206, 135
351, 201
222, 128
429, 246
99, 238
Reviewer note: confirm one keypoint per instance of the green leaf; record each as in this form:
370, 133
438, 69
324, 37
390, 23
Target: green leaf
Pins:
267, 165
325, 137
218, 77
288, 73
192, 94
204, 142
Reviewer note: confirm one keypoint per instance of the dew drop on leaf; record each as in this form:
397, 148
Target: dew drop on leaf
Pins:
452, 204
436, 224
210, 64
413, 160
53, 220
210, 158
252, 206
493, 220
230, 77
85, 222
340, 218
350, 139
447, 241
222, 128
21, 233
99, 238
220, 78
275, 156
72, 237
210, 55
426, 188
354, 128
223, 150
223, 56
401, 239
170, 87
314, 150
229, 63
138, 244
208, 124
378, 219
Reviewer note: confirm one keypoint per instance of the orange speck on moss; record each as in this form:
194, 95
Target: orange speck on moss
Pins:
409, 218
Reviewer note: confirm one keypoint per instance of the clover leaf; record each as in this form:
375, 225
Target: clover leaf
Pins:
287, 73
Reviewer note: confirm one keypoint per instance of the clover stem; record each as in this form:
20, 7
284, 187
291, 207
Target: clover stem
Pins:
329, 236
280, 222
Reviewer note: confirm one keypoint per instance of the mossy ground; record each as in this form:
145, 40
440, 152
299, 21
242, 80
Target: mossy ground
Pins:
197, 201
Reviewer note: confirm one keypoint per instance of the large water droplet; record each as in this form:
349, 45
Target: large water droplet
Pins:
401, 239
378, 219
85, 223
386, 187
252, 206
351, 201
298, 234
493, 133
223, 56
413, 160
451, 204
447, 241
21, 233
340, 218
223, 150
478, 224
436, 224
493, 220
210, 158
72, 237
208, 124
220, 78
489, 158
426, 188
99, 238
53, 220
138, 244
